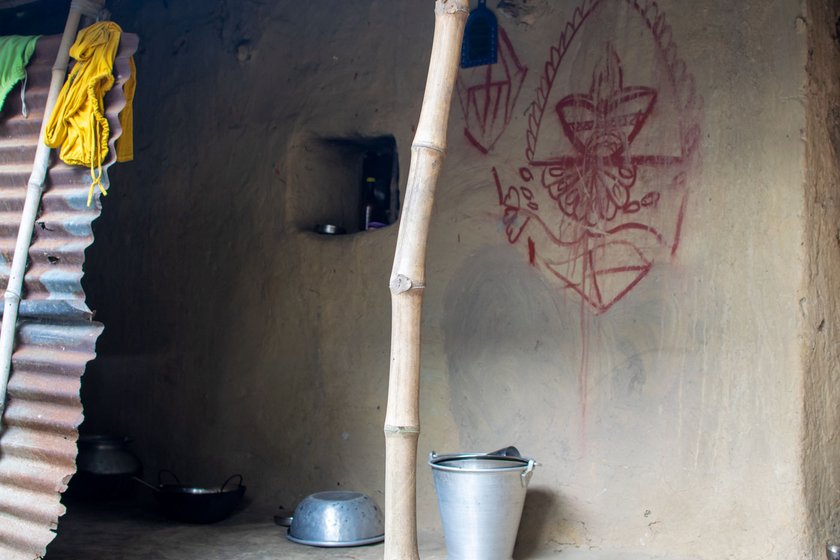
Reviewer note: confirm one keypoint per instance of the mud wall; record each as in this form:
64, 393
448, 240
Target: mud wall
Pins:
820, 305
615, 268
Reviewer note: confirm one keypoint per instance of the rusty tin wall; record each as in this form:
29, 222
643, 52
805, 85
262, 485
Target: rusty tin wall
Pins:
56, 334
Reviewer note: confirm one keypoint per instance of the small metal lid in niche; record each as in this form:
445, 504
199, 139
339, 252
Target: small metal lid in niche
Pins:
329, 229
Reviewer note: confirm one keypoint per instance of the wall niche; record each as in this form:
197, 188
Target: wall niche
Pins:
350, 184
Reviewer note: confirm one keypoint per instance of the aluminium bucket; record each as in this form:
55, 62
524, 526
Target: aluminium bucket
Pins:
480, 497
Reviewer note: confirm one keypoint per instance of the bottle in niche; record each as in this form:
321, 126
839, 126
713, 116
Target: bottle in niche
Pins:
375, 207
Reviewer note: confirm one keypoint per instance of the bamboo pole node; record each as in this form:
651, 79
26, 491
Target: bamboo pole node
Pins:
429, 146
389, 429
402, 283
11, 295
452, 7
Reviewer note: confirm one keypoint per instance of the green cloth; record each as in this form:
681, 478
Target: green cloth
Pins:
15, 52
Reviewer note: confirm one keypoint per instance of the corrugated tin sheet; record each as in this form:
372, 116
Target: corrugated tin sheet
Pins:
56, 335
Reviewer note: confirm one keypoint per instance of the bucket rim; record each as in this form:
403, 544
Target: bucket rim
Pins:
521, 462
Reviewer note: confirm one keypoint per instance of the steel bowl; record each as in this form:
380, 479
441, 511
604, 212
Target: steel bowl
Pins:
336, 519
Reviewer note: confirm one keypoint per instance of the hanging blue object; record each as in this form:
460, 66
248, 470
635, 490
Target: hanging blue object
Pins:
480, 38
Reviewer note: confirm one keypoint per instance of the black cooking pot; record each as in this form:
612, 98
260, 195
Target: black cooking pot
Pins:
106, 455
104, 468
193, 504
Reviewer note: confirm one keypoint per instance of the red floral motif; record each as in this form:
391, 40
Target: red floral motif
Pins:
601, 125
589, 193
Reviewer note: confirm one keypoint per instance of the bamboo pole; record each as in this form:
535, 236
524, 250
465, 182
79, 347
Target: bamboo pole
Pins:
34, 189
402, 417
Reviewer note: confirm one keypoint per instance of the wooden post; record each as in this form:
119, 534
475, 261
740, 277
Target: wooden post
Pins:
402, 417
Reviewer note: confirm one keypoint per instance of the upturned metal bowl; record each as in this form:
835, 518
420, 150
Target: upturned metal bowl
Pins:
336, 519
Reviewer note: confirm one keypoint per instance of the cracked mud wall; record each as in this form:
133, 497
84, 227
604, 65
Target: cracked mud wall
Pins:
645, 345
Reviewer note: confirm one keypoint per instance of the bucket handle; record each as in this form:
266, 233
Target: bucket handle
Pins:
526, 475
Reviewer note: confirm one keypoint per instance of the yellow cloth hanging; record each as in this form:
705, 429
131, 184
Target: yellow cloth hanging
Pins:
125, 143
77, 124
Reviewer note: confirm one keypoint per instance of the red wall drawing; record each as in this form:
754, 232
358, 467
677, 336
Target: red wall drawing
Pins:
601, 194
488, 94
610, 149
